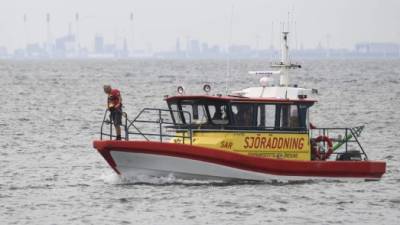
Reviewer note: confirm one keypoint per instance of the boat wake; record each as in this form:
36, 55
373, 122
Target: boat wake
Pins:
115, 179
158, 181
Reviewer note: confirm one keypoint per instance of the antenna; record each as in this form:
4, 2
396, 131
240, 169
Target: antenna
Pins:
296, 35
285, 49
272, 36
285, 63
228, 59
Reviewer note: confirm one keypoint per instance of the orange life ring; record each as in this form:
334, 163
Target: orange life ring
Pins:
317, 149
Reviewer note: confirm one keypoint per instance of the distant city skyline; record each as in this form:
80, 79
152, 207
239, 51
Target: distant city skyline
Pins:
67, 46
155, 26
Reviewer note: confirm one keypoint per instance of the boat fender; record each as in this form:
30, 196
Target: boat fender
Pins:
317, 149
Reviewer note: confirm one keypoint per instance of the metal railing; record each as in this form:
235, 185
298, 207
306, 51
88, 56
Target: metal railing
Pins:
107, 120
344, 136
183, 131
131, 127
162, 123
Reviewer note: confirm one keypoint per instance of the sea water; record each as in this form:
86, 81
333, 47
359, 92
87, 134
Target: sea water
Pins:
51, 112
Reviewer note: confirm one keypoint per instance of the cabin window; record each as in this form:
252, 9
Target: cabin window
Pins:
187, 108
289, 116
243, 115
175, 114
293, 116
197, 112
303, 116
266, 116
211, 113
218, 114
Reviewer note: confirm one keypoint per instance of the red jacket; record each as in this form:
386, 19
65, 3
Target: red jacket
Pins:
114, 99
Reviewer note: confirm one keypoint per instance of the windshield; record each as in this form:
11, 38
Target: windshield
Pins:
202, 113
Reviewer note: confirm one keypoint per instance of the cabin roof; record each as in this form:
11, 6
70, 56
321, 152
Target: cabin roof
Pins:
242, 99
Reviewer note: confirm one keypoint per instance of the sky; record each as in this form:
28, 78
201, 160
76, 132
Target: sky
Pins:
158, 23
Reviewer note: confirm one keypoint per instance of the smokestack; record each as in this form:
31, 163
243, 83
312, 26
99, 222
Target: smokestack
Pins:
49, 44
132, 33
26, 30
77, 42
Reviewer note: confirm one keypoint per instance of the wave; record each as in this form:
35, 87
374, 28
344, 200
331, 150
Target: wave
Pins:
115, 179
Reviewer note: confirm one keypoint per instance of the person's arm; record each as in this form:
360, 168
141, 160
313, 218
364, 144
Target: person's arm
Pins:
119, 102
108, 103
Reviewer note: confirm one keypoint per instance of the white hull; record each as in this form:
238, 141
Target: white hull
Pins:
138, 164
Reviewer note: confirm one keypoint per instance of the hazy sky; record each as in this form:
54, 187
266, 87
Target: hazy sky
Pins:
159, 23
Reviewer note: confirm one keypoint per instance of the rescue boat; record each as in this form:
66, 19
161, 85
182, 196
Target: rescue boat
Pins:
259, 133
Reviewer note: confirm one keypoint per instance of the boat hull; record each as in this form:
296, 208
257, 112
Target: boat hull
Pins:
136, 164
135, 158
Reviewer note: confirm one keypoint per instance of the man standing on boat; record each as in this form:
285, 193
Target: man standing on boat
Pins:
114, 104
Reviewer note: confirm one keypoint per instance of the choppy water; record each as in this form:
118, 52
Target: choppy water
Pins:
50, 174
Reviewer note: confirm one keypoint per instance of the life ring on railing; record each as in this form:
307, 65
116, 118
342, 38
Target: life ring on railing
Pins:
317, 148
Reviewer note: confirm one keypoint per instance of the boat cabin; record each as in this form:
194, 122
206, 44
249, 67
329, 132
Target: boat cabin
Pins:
239, 113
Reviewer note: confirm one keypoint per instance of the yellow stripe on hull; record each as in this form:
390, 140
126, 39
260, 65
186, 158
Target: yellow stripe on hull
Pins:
291, 146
